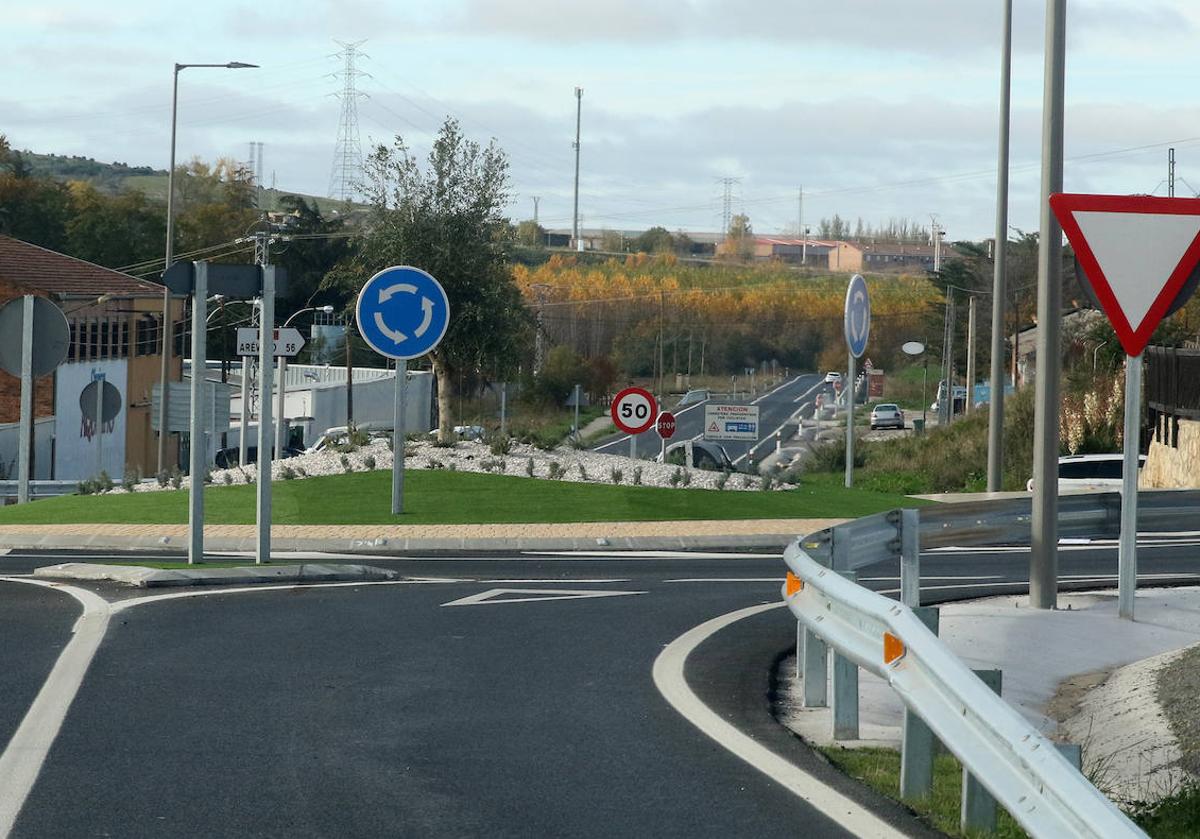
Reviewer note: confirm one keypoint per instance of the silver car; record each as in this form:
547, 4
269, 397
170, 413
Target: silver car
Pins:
887, 415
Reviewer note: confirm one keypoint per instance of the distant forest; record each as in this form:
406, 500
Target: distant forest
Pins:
108, 178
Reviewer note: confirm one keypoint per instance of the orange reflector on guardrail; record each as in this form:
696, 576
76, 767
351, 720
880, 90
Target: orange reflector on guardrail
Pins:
893, 648
793, 585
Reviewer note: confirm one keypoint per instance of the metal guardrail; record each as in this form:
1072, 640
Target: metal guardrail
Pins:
39, 489
1021, 768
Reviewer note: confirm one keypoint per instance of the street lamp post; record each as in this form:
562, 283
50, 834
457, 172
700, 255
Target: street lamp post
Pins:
167, 337
281, 421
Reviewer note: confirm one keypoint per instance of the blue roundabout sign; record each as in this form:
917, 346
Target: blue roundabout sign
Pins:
402, 312
857, 316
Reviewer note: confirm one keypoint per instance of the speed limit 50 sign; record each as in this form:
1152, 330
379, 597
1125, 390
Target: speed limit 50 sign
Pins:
634, 410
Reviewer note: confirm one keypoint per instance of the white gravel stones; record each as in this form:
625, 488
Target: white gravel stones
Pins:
566, 464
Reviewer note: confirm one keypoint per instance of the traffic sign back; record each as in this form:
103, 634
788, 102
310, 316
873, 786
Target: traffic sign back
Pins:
1137, 253
403, 312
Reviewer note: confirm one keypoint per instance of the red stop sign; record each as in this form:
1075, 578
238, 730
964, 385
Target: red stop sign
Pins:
666, 425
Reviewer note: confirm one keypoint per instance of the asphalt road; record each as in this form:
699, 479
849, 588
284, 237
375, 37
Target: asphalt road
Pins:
775, 407
491, 697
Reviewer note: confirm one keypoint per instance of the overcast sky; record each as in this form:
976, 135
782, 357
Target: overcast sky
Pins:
879, 109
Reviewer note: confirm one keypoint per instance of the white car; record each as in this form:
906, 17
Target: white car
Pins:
832, 376
1090, 472
887, 415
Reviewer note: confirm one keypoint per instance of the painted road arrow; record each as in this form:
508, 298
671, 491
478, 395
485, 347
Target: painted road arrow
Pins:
502, 595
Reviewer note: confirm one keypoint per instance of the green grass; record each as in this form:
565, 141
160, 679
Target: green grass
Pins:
442, 497
1177, 817
880, 770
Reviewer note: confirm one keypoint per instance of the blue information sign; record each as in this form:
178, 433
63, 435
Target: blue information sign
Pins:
402, 312
858, 316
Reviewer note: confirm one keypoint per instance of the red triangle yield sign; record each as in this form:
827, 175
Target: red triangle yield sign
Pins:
1137, 252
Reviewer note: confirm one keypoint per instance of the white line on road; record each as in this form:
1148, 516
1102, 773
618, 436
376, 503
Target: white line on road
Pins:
670, 681
499, 596
25, 754
650, 555
781, 425
775, 580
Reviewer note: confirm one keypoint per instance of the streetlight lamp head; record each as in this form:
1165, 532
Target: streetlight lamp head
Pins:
239, 65
328, 310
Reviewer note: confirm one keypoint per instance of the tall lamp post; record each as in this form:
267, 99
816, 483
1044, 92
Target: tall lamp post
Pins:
281, 421
167, 337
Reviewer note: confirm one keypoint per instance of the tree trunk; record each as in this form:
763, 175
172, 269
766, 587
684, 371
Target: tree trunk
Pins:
445, 382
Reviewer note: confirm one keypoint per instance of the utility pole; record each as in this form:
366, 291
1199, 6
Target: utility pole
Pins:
536, 199
1170, 173
662, 305
936, 232
801, 232
970, 354
995, 467
946, 403
1043, 558
539, 347
578, 122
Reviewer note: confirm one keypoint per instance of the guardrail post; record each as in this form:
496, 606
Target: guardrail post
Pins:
917, 747
813, 652
910, 559
978, 807
845, 689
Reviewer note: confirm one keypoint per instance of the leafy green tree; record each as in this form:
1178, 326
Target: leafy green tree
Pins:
114, 231
655, 240
447, 218
313, 245
32, 209
530, 234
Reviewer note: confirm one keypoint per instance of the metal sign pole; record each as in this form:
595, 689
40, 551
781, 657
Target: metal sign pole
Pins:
577, 435
633, 446
26, 399
398, 438
99, 424
281, 431
266, 367
1127, 546
849, 391
504, 409
197, 442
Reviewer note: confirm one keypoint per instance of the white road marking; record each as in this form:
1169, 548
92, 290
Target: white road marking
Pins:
22, 760
775, 580
670, 681
771, 436
498, 595
651, 555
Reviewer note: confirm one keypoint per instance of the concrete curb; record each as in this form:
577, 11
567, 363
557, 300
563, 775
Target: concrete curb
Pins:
393, 545
141, 577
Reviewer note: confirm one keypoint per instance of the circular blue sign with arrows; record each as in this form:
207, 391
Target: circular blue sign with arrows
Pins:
858, 316
402, 312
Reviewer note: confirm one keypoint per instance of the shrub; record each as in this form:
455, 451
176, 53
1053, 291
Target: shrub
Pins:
583, 475
501, 444
207, 476
529, 467
436, 464
228, 478
85, 487
176, 479
675, 477
129, 481
747, 480
767, 483
637, 476
287, 473
300, 470
346, 464
722, 479
554, 471
686, 478
615, 475
163, 477
369, 462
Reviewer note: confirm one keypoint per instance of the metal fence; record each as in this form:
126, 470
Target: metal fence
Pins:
1172, 381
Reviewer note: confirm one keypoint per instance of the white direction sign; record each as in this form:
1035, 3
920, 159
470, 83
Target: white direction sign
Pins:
724, 423
530, 595
288, 341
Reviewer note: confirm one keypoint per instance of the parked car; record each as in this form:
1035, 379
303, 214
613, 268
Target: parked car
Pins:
887, 415
832, 377
705, 455
694, 397
231, 457
1090, 472
340, 434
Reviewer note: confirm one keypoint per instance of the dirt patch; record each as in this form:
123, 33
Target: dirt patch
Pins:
1070, 693
1179, 695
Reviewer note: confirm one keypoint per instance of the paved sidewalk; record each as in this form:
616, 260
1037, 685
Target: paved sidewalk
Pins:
764, 534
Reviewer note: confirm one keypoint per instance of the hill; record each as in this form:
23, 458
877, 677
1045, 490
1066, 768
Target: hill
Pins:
116, 177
